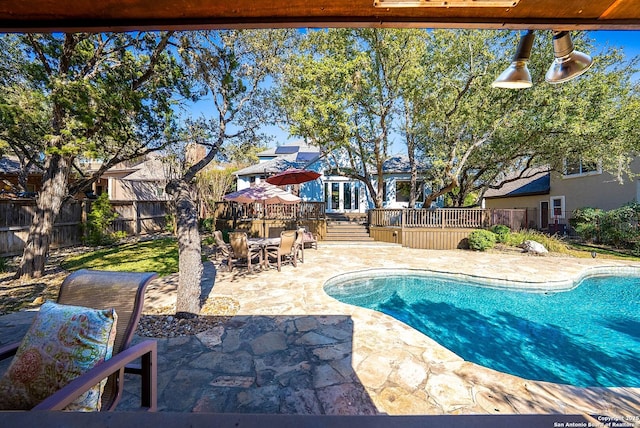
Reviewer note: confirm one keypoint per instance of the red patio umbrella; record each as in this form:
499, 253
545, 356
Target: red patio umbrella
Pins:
292, 176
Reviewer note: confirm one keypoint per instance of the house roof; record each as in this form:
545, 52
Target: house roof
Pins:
400, 164
11, 165
272, 166
299, 148
296, 154
150, 169
536, 182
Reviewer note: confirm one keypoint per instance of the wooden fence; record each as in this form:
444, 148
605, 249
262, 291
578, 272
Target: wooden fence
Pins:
134, 218
439, 229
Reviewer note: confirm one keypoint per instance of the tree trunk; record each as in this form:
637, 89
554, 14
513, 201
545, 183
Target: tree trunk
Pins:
189, 247
49, 202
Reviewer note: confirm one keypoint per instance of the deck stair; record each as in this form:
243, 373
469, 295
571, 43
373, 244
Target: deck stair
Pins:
350, 228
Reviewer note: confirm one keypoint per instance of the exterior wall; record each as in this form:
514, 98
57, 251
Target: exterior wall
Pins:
138, 190
596, 191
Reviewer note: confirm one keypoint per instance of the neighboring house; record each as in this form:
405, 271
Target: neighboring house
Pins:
10, 169
550, 197
340, 194
135, 180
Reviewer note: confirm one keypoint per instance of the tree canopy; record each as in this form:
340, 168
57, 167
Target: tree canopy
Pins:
357, 89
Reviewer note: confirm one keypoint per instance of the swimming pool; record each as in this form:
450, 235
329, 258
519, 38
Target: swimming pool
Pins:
584, 334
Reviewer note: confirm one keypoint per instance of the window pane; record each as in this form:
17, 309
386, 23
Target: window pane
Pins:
402, 191
589, 167
347, 196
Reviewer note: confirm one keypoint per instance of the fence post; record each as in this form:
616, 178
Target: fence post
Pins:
136, 218
83, 218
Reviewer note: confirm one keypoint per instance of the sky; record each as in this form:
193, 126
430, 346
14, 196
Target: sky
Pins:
628, 40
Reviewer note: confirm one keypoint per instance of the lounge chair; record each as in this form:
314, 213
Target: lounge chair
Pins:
242, 251
102, 290
285, 251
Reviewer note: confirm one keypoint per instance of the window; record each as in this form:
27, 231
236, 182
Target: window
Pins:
576, 166
403, 189
557, 207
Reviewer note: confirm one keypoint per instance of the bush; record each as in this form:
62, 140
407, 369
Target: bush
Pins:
585, 222
618, 228
481, 240
502, 233
207, 224
99, 220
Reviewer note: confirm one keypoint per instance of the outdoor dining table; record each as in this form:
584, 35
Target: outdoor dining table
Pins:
262, 244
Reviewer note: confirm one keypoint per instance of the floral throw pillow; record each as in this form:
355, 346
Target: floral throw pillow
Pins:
62, 343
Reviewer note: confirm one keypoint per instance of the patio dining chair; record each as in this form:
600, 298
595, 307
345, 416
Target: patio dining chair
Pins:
299, 244
285, 251
242, 251
222, 247
84, 300
309, 240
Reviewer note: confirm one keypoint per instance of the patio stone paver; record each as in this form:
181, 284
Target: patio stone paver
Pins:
294, 349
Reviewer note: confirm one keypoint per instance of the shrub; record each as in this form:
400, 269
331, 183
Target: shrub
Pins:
585, 222
99, 220
481, 240
207, 224
4, 265
618, 228
502, 233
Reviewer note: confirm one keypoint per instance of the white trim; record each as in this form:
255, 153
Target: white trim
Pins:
598, 171
552, 214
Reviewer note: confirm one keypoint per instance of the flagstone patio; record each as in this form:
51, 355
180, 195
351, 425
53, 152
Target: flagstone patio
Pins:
292, 349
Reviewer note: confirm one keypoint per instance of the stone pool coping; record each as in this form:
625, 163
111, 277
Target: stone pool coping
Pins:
490, 282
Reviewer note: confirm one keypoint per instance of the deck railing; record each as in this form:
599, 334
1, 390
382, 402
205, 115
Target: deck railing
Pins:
462, 218
299, 211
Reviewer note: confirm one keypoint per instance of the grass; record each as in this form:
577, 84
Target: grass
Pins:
158, 255
559, 245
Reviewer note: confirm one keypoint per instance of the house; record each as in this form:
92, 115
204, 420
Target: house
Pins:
550, 196
10, 170
339, 193
142, 179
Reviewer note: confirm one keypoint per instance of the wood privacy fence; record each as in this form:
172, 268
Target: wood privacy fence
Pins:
439, 229
134, 218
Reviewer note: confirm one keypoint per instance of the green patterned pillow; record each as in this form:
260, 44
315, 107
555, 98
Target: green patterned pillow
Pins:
62, 343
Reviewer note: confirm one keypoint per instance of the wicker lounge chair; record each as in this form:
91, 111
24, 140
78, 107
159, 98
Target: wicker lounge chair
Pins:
286, 251
124, 292
242, 251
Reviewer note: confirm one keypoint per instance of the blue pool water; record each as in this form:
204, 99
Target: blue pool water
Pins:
588, 336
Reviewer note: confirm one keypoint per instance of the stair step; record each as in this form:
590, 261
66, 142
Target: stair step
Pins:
342, 228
